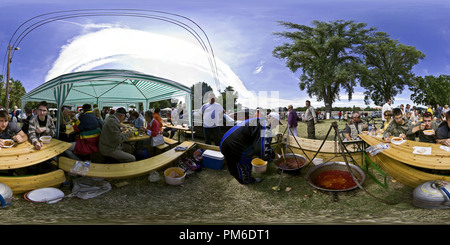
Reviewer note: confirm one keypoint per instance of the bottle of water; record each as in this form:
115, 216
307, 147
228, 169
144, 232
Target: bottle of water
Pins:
76, 168
85, 168
372, 131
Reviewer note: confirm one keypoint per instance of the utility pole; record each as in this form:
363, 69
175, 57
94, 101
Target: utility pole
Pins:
7, 79
7, 76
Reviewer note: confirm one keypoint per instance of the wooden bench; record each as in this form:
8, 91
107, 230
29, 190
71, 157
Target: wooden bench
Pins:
188, 133
129, 169
170, 142
21, 184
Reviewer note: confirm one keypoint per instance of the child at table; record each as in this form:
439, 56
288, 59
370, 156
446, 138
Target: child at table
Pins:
41, 125
10, 130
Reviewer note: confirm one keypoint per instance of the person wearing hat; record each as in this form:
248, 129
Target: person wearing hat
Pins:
246, 139
112, 138
212, 114
89, 128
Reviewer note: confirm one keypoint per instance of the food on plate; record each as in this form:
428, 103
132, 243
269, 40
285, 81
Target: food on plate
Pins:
8, 143
428, 132
396, 139
421, 150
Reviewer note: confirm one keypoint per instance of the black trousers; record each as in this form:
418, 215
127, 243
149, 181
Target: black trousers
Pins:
239, 164
212, 133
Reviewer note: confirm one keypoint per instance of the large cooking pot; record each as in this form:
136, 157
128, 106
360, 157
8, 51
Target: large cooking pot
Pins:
432, 195
295, 166
338, 174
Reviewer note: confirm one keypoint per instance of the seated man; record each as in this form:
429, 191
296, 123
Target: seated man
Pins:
399, 127
137, 120
26, 122
426, 124
443, 131
10, 130
112, 138
89, 127
41, 125
354, 127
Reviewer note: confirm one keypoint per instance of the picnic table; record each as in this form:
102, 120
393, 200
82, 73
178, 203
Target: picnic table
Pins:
24, 154
179, 128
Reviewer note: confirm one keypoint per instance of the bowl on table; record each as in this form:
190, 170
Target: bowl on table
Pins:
428, 132
7, 143
45, 139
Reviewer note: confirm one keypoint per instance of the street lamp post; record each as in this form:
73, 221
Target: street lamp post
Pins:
7, 76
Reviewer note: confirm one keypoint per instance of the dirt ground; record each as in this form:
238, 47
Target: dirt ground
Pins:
215, 197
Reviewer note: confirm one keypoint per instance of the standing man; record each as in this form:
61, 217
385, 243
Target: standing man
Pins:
292, 121
311, 120
212, 114
386, 107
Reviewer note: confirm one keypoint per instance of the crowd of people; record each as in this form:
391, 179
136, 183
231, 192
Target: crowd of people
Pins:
431, 126
97, 132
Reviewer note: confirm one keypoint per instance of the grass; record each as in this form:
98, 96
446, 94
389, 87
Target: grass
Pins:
215, 197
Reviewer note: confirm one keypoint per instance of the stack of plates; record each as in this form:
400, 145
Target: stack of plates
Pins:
47, 194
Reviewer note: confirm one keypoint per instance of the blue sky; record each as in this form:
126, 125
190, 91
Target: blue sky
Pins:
240, 32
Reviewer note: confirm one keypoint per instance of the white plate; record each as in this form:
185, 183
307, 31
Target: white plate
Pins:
47, 194
398, 142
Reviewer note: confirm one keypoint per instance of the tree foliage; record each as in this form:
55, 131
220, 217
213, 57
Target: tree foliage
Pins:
387, 67
16, 91
431, 90
327, 54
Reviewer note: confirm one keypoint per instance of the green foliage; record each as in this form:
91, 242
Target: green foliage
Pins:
387, 68
326, 54
16, 91
431, 90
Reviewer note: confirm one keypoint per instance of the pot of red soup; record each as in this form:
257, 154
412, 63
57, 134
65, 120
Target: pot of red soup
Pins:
334, 176
292, 163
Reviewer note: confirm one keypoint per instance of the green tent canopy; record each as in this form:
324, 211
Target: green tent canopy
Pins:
109, 86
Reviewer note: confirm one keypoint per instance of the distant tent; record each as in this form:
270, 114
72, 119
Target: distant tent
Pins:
109, 86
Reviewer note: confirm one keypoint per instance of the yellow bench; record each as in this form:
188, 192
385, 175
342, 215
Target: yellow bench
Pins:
170, 142
129, 169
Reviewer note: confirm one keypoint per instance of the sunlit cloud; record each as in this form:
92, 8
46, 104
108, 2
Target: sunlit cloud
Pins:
146, 52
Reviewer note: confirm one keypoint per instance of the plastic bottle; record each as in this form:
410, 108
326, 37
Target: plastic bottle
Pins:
372, 131
85, 168
76, 168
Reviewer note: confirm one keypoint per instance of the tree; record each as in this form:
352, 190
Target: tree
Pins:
15, 94
387, 68
198, 91
228, 95
327, 55
431, 90
16, 91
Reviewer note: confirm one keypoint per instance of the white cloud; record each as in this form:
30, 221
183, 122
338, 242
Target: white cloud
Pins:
146, 52
259, 68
